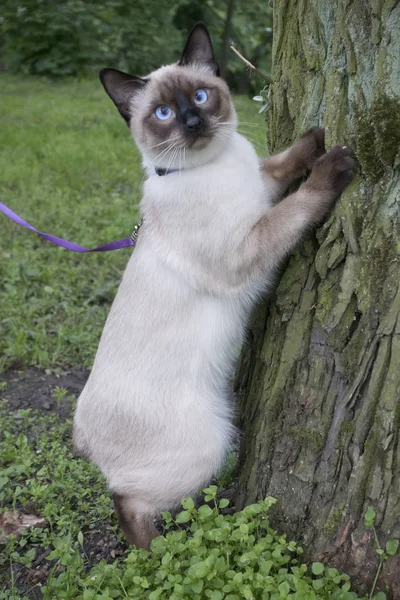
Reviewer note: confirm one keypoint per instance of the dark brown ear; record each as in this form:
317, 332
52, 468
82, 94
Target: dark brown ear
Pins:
199, 49
121, 87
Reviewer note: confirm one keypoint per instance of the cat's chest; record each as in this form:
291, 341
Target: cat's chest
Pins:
219, 193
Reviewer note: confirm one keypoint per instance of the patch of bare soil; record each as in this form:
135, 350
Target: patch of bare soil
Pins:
36, 389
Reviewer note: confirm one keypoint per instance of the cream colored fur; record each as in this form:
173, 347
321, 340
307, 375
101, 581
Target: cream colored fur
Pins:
156, 414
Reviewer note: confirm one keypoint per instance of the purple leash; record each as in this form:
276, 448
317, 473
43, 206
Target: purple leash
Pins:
129, 241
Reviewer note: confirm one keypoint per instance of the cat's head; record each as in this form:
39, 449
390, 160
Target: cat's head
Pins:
180, 115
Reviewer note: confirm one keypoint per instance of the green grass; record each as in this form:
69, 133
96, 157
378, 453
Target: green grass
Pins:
69, 167
39, 475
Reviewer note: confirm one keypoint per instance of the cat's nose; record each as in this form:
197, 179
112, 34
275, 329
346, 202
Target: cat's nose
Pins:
194, 122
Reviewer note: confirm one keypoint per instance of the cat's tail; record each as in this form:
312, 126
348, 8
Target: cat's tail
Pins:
136, 522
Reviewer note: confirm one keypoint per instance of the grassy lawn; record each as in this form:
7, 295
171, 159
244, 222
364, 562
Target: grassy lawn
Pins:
69, 167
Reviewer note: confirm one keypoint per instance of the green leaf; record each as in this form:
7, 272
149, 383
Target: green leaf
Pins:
267, 503
251, 510
392, 546
284, 589
247, 556
265, 566
205, 511
211, 491
80, 538
216, 596
183, 517
346, 586
167, 517
199, 570
223, 503
188, 503
317, 568
158, 545
197, 587
369, 517
379, 596
3, 481
318, 584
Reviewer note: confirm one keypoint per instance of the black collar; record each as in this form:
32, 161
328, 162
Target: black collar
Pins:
161, 172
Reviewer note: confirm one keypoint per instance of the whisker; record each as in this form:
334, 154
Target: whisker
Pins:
217, 127
164, 152
161, 143
240, 123
225, 132
249, 124
247, 133
256, 143
172, 157
223, 138
160, 154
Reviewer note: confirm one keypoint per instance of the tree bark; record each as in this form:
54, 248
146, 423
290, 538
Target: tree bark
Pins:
226, 38
319, 382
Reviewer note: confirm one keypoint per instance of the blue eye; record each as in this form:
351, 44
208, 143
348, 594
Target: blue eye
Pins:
163, 113
200, 96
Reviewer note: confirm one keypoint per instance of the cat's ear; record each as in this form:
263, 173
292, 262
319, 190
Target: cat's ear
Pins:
121, 87
199, 49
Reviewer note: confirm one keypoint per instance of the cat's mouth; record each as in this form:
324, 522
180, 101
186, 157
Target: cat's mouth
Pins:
198, 142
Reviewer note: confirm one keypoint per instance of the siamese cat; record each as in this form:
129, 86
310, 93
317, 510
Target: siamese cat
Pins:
156, 412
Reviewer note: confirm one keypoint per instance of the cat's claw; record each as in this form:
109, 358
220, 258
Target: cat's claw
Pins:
333, 172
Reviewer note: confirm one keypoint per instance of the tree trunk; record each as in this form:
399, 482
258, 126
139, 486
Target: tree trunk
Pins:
223, 63
319, 384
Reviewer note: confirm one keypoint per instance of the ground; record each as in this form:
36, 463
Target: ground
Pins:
37, 409
70, 168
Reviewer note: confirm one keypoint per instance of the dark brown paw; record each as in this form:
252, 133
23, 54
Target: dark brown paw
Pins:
333, 172
309, 148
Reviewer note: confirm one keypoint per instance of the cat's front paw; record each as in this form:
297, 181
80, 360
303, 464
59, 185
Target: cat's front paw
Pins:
309, 148
332, 173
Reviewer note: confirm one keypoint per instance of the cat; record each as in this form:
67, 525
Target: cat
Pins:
156, 412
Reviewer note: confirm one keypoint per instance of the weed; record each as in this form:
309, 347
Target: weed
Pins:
391, 549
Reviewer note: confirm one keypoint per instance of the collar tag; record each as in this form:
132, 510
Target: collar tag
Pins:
135, 232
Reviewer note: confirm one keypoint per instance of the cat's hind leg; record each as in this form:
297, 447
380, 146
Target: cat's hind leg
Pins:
136, 520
